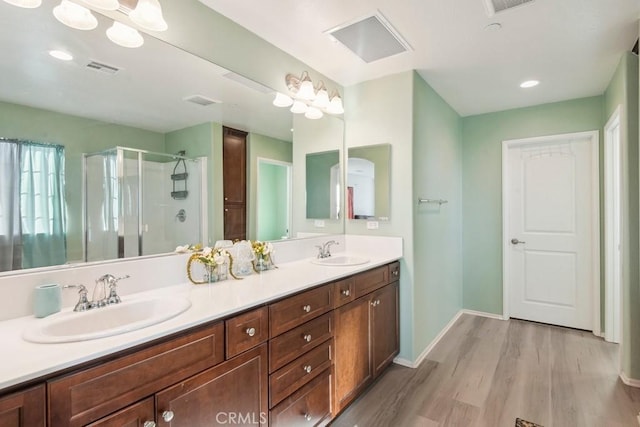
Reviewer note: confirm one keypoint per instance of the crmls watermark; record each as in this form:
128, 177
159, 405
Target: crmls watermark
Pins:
239, 418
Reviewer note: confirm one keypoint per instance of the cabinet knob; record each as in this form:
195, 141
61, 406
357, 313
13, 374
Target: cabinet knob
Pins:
149, 424
396, 273
307, 417
307, 369
306, 308
167, 416
251, 331
307, 337
346, 292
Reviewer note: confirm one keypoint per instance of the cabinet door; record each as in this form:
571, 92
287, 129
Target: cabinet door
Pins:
384, 327
23, 409
140, 414
232, 393
351, 362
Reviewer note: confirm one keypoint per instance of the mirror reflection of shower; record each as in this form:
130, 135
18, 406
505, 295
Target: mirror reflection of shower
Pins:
140, 203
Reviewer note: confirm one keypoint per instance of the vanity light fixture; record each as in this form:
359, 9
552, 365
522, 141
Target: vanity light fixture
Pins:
27, 4
61, 55
125, 36
75, 16
529, 83
148, 15
104, 4
305, 98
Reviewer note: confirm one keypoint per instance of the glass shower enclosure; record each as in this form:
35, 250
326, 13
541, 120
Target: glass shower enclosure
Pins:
141, 203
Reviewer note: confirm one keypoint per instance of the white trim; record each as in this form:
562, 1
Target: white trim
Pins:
484, 314
631, 382
595, 212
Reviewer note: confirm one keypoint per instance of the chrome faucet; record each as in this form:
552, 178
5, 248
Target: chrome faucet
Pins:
102, 299
324, 250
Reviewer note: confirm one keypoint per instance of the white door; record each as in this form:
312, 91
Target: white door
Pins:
551, 189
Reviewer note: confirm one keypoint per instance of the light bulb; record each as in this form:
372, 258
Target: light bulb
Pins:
313, 113
335, 106
148, 15
282, 100
75, 16
322, 99
125, 36
104, 4
299, 107
27, 4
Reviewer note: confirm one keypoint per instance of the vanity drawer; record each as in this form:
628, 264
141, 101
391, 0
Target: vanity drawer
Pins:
246, 331
371, 280
343, 292
296, 310
311, 405
80, 398
291, 377
290, 345
394, 271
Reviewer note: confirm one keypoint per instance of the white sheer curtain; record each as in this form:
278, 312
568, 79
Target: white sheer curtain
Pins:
10, 233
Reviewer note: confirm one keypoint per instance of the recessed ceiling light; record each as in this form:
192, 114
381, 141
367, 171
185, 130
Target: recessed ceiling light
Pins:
529, 83
61, 55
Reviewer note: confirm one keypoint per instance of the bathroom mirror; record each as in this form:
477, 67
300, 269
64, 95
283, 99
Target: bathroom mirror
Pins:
368, 182
323, 185
109, 96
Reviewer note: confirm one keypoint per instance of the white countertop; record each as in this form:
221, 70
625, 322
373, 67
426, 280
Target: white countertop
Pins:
21, 361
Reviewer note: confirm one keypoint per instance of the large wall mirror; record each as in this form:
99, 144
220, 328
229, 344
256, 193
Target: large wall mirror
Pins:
158, 99
368, 182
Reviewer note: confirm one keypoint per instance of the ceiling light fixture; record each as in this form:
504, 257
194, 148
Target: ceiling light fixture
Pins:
529, 83
104, 4
75, 16
125, 36
305, 98
27, 4
61, 55
148, 15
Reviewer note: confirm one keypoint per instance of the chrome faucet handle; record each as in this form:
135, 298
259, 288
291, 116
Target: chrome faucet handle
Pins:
83, 303
320, 251
113, 297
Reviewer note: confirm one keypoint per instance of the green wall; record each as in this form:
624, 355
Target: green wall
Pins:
318, 183
272, 207
437, 230
623, 91
482, 138
260, 146
78, 135
380, 156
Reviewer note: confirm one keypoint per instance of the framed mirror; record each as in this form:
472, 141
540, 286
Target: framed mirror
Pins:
368, 182
108, 96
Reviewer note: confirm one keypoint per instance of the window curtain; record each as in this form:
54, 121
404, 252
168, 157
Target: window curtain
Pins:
42, 205
10, 233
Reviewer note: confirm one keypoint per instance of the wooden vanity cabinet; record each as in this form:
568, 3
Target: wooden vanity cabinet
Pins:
140, 414
24, 409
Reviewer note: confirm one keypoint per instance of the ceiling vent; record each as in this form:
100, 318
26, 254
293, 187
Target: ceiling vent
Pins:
251, 84
201, 100
371, 38
496, 6
104, 68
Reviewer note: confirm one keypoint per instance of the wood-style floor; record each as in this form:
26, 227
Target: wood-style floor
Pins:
486, 373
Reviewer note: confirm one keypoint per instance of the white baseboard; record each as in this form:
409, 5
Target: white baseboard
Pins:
632, 382
409, 364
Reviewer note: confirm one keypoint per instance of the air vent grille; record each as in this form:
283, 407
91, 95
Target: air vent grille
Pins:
104, 68
201, 100
497, 6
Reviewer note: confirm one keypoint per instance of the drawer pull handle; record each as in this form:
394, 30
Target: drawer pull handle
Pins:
307, 369
346, 292
167, 416
149, 424
251, 331
306, 308
307, 417
307, 337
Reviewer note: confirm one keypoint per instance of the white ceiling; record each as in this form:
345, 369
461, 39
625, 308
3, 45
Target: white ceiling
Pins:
571, 46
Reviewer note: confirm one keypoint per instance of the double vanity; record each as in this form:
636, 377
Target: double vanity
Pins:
291, 346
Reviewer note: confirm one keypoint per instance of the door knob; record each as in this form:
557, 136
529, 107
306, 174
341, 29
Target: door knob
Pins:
516, 241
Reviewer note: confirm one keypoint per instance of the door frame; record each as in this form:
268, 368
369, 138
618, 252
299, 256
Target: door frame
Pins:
289, 166
613, 199
594, 137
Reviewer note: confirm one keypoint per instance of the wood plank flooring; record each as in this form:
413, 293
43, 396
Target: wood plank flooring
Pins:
486, 373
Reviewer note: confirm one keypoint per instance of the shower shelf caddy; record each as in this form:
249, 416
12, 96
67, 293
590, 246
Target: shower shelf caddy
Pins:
178, 175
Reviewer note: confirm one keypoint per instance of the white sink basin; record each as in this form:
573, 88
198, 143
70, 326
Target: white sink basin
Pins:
340, 260
106, 321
